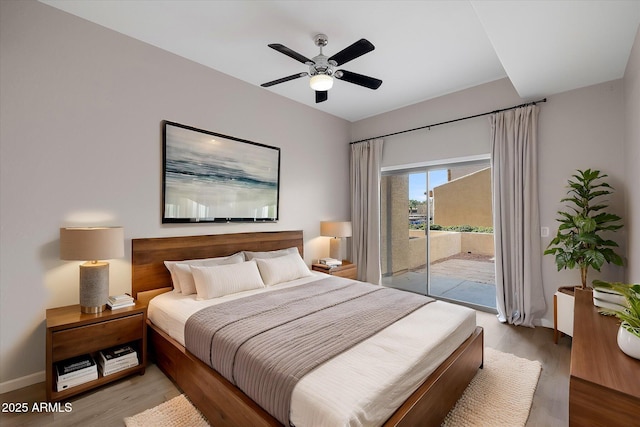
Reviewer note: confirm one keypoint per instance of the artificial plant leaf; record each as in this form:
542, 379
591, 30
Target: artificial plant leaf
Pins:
585, 225
595, 258
606, 217
587, 238
608, 243
593, 194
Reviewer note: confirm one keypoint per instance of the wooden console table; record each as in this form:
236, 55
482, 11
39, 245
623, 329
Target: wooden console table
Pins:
604, 386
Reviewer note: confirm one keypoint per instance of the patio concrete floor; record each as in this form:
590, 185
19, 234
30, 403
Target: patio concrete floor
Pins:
463, 277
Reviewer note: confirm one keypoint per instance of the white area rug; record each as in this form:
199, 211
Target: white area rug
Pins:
499, 395
177, 412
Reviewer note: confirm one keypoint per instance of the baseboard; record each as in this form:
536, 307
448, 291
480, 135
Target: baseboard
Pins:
21, 382
544, 323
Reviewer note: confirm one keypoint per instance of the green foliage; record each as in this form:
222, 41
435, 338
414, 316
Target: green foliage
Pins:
413, 204
461, 228
630, 316
578, 243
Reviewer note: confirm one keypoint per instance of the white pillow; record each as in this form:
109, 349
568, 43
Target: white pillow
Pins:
282, 269
177, 274
185, 278
270, 254
221, 280
174, 277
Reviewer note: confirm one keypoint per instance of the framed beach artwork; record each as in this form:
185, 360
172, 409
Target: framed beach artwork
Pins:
210, 177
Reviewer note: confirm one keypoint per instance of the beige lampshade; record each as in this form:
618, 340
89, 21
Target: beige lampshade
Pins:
335, 228
91, 243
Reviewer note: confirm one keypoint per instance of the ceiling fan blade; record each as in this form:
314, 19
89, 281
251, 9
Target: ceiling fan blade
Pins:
358, 79
321, 96
290, 53
349, 53
284, 79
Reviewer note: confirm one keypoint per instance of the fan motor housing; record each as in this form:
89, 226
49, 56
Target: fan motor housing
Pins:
321, 65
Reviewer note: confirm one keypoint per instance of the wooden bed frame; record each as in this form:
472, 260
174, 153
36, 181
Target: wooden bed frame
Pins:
225, 405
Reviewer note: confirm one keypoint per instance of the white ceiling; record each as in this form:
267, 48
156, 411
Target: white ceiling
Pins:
424, 49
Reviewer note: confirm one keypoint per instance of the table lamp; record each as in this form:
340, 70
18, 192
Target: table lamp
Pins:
92, 244
337, 230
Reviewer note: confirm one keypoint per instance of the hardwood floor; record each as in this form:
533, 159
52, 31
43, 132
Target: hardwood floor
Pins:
106, 406
109, 405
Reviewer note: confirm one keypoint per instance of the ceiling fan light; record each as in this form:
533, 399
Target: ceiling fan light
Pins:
321, 82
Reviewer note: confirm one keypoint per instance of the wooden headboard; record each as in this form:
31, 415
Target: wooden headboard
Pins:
149, 274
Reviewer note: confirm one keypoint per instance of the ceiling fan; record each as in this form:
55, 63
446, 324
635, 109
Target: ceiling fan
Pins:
322, 68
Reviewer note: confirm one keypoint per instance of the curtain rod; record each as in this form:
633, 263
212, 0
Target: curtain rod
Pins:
454, 120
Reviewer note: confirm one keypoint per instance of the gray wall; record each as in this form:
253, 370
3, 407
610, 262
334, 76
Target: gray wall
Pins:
81, 144
583, 128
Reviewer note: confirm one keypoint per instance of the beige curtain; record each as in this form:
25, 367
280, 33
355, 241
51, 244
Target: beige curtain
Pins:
365, 208
519, 291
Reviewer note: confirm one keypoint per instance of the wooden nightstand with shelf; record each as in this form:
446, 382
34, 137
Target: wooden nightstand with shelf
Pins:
347, 270
71, 333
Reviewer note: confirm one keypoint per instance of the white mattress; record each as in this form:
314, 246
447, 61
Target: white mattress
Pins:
366, 384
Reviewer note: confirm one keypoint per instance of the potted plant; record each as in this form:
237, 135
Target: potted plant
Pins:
579, 241
629, 331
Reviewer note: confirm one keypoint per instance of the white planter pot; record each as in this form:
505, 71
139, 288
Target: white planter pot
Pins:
628, 343
564, 312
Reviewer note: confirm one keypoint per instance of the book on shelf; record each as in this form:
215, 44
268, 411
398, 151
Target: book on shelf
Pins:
126, 360
118, 352
75, 367
117, 358
118, 366
65, 384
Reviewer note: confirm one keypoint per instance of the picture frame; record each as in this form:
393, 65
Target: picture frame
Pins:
211, 177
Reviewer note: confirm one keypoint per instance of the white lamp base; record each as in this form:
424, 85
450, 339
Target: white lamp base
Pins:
94, 286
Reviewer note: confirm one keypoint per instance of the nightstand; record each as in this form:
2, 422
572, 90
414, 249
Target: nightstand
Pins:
71, 333
346, 270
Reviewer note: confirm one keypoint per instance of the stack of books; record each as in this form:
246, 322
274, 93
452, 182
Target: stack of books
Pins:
609, 299
119, 301
117, 359
330, 262
75, 371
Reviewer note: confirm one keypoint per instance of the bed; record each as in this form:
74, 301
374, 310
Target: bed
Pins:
217, 398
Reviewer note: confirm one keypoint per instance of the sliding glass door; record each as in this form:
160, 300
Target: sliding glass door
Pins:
437, 234
404, 223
